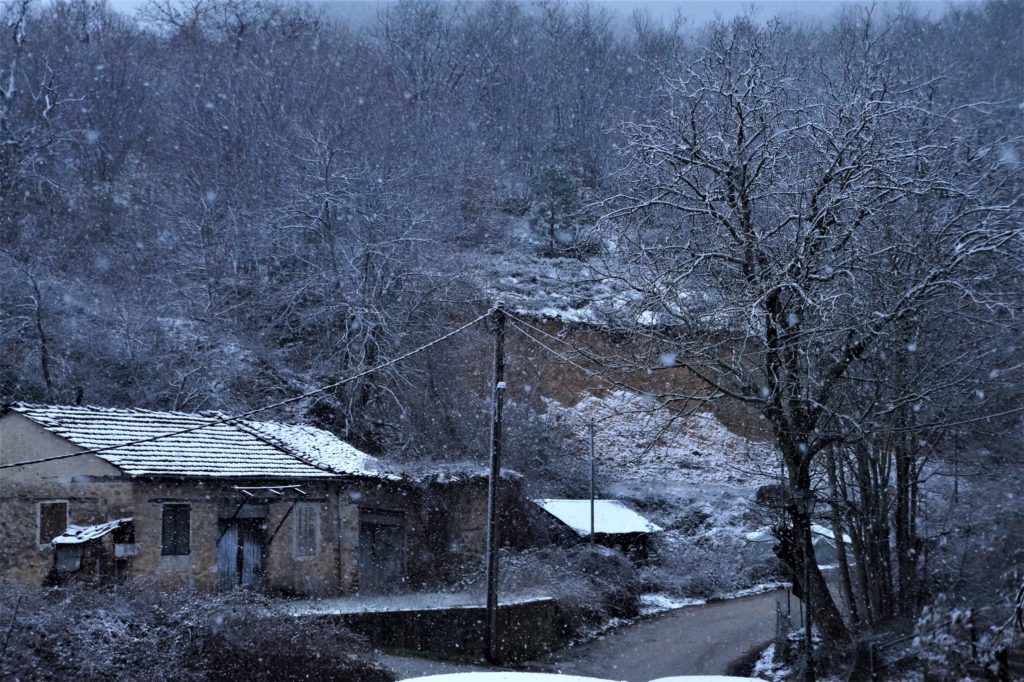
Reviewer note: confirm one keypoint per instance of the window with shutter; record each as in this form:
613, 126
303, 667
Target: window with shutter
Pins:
53, 520
307, 528
176, 529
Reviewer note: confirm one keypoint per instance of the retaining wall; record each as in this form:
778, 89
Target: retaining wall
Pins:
526, 630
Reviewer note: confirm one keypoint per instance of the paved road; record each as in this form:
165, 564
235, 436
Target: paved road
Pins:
696, 640
690, 641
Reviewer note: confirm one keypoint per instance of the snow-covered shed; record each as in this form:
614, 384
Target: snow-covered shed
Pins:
213, 502
614, 524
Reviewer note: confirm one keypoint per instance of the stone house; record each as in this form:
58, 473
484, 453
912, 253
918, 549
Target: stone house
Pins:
193, 499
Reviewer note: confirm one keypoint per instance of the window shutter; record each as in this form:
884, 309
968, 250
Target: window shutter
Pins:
175, 531
306, 531
53, 520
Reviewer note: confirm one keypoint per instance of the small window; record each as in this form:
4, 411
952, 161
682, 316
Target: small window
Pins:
307, 528
53, 520
176, 529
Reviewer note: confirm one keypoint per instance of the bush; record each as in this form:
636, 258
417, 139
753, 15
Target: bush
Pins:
141, 631
953, 641
591, 583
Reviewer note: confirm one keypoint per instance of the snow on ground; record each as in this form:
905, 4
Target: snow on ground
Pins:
767, 668
585, 291
635, 440
653, 603
554, 677
418, 601
754, 590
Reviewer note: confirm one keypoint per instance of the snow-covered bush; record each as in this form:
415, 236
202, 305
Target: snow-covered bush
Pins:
688, 569
591, 583
704, 565
956, 640
142, 631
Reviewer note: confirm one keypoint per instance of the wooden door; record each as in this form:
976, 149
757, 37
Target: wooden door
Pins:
240, 554
381, 551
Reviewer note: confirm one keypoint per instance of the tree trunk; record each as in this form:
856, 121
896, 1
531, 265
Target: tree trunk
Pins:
823, 608
839, 532
44, 341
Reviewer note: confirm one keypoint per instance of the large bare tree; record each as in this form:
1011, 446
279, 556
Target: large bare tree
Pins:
788, 220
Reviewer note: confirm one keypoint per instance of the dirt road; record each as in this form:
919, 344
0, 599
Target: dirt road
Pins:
690, 641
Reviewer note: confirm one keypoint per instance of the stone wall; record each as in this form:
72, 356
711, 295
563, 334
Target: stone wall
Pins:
455, 521
526, 630
93, 490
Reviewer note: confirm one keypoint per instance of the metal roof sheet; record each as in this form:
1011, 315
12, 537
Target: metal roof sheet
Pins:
611, 517
75, 535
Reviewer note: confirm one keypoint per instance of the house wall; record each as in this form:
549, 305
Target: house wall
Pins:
93, 489
384, 496
455, 521
212, 501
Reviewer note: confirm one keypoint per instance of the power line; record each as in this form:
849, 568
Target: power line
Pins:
245, 415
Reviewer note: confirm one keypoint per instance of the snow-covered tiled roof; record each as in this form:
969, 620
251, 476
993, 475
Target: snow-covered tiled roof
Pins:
611, 517
318, 447
75, 535
217, 450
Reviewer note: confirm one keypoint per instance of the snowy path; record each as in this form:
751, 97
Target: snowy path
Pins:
689, 641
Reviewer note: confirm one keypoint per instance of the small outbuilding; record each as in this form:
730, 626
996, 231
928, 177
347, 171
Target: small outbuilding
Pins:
614, 524
760, 543
99, 553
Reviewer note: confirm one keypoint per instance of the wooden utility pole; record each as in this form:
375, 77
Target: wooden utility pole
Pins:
593, 481
491, 639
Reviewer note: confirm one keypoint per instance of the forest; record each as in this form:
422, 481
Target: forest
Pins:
220, 204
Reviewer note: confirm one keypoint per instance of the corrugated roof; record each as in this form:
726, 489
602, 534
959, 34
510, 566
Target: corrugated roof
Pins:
215, 451
75, 535
611, 517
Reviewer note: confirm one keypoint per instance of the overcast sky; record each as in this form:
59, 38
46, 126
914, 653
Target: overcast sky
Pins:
696, 11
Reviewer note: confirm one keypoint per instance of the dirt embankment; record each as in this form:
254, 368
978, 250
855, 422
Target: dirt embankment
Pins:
534, 372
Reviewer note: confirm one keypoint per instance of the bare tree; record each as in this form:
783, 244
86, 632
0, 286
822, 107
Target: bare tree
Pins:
786, 223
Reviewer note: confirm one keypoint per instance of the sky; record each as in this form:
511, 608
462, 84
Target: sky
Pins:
696, 11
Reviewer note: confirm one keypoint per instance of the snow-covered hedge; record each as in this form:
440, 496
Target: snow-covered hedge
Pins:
144, 632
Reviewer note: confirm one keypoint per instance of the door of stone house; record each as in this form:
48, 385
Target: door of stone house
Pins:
240, 553
381, 551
